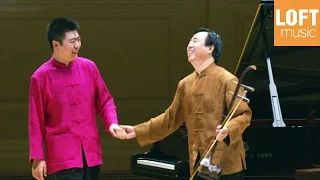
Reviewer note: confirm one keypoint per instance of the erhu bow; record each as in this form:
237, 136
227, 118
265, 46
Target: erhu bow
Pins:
205, 168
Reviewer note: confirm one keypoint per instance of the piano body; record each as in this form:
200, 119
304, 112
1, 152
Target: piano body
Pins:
284, 134
168, 159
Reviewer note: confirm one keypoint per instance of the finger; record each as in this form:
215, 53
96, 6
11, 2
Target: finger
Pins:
45, 171
36, 175
40, 174
225, 131
124, 126
122, 131
218, 132
118, 134
222, 132
131, 135
123, 135
219, 126
112, 132
125, 129
221, 138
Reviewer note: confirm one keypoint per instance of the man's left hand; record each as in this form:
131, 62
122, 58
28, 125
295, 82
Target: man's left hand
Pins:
222, 133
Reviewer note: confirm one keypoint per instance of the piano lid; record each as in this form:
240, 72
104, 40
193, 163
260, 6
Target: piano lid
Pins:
296, 71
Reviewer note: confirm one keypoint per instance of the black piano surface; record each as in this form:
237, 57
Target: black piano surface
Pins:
272, 152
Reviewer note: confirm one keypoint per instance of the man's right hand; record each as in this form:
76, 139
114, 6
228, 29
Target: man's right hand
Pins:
129, 130
39, 169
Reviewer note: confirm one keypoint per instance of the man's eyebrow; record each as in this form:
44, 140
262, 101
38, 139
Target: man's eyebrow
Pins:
75, 38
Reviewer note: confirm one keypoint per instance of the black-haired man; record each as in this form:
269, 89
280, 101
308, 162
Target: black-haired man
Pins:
66, 93
200, 101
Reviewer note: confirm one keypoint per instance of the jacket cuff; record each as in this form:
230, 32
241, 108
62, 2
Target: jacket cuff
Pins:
234, 134
36, 152
142, 135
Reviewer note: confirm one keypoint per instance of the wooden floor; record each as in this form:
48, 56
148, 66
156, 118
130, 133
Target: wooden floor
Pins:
308, 174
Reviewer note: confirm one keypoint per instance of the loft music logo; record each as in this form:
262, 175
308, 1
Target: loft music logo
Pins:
294, 18
296, 23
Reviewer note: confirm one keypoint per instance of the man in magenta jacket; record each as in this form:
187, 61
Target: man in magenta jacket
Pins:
66, 93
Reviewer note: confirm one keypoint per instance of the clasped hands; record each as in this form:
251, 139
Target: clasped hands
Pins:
127, 132
122, 131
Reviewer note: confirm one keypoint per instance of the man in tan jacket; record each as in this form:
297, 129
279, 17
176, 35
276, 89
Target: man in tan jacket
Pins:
200, 101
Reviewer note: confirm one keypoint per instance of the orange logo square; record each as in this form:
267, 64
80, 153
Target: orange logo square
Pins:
296, 22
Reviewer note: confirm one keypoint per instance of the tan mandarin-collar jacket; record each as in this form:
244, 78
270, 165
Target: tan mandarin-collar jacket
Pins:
200, 101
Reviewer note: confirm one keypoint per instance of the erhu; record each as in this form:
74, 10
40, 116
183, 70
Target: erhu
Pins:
205, 169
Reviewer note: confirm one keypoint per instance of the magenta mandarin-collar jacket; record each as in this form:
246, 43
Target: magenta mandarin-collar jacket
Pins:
63, 103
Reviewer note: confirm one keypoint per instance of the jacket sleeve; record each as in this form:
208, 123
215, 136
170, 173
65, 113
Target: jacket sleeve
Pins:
104, 102
161, 126
35, 121
242, 116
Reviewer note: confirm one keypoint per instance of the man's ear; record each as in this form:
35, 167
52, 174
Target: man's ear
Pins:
55, 44
211, 49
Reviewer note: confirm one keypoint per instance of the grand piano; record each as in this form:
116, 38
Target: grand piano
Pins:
284, 135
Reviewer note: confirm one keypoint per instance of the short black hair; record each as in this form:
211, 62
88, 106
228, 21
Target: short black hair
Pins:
214, 39
57, 28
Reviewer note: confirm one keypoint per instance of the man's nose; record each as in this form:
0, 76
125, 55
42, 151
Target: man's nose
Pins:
77, 44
